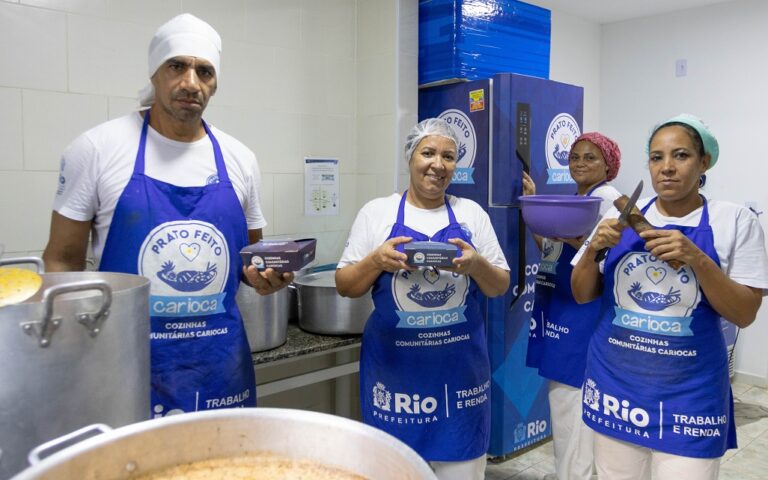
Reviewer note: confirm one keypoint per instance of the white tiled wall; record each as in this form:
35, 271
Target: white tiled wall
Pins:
299, 78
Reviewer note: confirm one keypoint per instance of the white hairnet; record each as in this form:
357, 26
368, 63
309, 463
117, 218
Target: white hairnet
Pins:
183, 35
425, 128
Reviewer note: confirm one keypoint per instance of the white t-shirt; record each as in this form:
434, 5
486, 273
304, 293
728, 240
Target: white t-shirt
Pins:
608, 194
375, 220
97, 165
738, 237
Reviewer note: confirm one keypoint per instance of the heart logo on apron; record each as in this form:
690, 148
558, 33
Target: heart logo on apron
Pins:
655, 275
190, 251
431, 276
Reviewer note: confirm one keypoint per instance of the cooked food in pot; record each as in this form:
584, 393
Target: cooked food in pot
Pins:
17, 285
263, 466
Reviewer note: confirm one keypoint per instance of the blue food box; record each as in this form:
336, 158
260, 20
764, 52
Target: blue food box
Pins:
430, 254
280, 255
474, 39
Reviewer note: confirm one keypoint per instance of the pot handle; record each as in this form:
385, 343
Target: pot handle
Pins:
34, 454
36, 260
43, 329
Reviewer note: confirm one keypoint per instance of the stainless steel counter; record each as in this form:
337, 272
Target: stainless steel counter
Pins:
301, 343
300, 346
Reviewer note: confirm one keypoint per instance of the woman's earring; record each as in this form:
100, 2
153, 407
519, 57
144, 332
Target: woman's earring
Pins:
702, 181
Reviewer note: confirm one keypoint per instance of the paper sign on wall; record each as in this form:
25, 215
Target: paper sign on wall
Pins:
321, 186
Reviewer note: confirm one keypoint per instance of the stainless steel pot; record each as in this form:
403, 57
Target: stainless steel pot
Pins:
322, 310
75, 353
143, 447
265, 317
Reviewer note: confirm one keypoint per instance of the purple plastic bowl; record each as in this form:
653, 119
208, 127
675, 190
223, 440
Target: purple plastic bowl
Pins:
563, 216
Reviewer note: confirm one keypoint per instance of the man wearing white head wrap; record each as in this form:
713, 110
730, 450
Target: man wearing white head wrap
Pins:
183, 35
161, 193
424, 319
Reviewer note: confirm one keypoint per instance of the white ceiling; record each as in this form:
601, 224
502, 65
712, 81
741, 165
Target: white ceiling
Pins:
607, 11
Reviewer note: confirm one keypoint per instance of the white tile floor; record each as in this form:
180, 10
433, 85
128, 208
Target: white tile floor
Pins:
748, 462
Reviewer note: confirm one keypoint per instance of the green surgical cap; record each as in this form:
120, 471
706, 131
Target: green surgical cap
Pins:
710, 142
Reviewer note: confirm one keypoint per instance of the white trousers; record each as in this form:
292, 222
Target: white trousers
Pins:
571, 438
467, 470
618, 460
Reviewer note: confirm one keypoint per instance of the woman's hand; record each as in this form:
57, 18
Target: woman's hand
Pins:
267, 281
491, 280
467, 263
671, 245
607, 235
529, 187
387, 259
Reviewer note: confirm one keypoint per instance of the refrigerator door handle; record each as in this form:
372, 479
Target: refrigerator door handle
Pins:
523, 150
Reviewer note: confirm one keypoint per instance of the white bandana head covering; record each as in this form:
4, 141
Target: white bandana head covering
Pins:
183, 35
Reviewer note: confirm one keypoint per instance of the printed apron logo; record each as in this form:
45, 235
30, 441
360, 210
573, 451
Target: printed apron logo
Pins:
188, 264
562, 132
381, 397
429, 298
550, 254
465, 131
613, 412
591, 395
408, 408
651, 297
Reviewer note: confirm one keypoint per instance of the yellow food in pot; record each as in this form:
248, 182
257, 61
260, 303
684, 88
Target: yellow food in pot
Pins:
17, 285
252, 467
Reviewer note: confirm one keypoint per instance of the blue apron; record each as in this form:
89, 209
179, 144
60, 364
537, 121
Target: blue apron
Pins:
560, 327
186, 241
657, 366
424, 368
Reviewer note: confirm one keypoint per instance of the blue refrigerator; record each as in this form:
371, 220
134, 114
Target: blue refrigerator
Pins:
506, 125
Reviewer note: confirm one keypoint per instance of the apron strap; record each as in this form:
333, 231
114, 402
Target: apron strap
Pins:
401, 210
221, 169
704, 221
591, 190
451, 215
704, 213
648, 205
138, 167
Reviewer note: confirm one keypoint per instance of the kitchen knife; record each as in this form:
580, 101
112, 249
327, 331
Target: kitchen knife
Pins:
623, 216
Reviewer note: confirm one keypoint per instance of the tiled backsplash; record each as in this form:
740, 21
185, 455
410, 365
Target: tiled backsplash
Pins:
318, 78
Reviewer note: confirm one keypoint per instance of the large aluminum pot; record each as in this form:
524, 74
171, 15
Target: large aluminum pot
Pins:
75, 353
322, 310
143, 447
265, 317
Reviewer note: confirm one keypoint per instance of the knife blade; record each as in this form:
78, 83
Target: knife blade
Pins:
623, 217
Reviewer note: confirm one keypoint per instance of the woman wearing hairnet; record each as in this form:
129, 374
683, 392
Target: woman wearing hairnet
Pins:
424, 369
557, 347
656, 389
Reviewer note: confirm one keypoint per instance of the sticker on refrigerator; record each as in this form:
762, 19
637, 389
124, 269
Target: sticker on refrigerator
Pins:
465, 131
562, 132
477, 100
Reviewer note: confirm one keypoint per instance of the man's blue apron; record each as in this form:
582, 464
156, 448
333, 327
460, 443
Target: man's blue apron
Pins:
186, 240
560, 327
424, 368
657, 366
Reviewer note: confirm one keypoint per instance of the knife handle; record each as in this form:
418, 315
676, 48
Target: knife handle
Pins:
601, 255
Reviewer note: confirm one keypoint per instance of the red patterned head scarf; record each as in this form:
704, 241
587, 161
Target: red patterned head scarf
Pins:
609, 149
